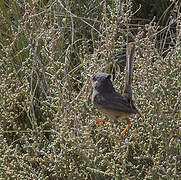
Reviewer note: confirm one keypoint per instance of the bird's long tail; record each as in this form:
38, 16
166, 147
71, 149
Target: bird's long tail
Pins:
127, 90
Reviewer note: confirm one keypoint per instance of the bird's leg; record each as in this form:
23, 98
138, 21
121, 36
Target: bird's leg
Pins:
128, 126
99, 120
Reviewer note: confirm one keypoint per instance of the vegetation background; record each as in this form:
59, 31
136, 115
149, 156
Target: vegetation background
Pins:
47, 120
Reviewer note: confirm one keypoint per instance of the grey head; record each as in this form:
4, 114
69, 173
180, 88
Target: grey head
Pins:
101, 82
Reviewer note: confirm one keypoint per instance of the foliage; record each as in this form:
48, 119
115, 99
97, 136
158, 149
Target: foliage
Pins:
47, 120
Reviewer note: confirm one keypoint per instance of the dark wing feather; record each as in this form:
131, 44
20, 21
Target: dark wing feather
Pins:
114, 101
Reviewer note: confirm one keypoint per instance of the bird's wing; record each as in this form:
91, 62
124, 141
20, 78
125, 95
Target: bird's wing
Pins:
114, 101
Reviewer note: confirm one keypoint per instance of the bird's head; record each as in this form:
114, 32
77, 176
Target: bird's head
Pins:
101, 82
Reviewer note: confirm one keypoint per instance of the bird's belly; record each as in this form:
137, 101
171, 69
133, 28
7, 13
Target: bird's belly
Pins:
115, 115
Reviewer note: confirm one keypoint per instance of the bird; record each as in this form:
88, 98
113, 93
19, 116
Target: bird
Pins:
111, 103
